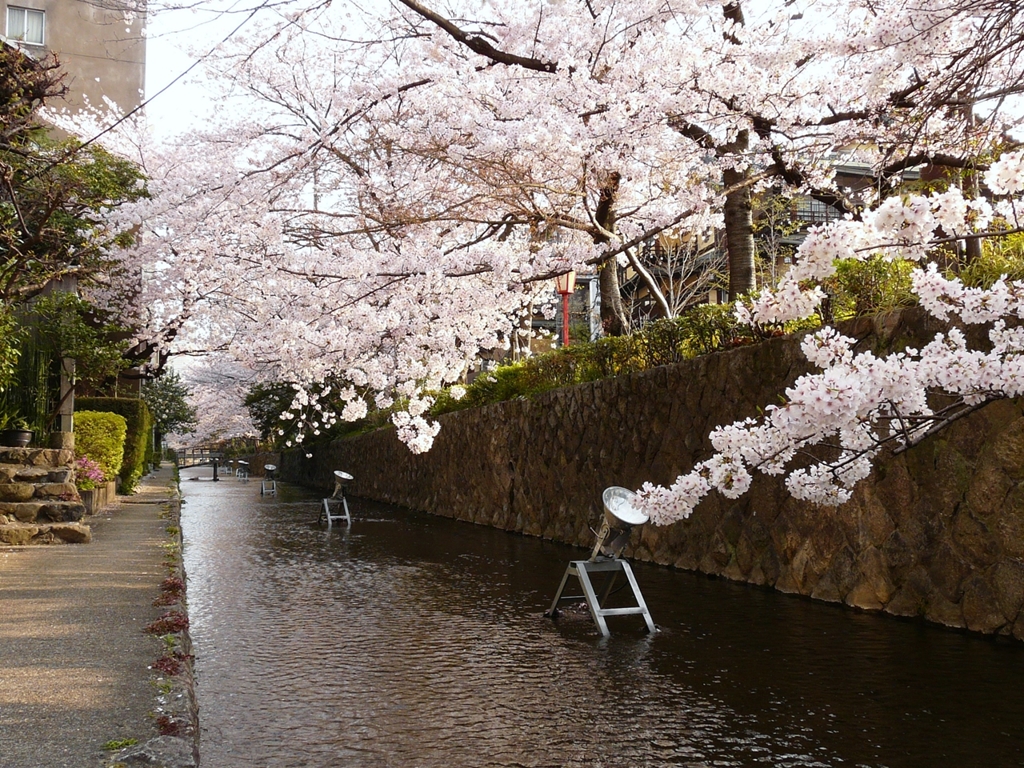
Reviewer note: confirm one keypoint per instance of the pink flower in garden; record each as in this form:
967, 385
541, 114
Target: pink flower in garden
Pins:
88, 474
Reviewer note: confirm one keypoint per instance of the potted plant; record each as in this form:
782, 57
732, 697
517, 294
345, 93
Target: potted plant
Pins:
14, 432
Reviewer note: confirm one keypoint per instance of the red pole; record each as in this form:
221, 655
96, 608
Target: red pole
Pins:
565, 319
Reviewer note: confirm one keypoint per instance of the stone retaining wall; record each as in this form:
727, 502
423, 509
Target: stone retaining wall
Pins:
937, 532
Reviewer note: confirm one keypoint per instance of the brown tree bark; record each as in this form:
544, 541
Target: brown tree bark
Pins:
614, 319
739, 236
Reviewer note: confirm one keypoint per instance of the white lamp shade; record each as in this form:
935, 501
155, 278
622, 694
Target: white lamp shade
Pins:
620, 509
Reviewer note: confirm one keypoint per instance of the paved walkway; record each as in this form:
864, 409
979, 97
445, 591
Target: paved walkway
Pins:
73, 656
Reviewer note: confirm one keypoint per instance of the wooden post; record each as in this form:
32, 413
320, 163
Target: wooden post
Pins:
67, 395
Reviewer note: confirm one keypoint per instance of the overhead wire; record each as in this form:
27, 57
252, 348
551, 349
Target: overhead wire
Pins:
75, 150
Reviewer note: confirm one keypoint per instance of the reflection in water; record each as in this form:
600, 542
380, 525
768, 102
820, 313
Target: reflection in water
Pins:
412, 641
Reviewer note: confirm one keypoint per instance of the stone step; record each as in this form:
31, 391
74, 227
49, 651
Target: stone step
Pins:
19, 534
42, 511
39, 503
17, 492
37, 457
14, 473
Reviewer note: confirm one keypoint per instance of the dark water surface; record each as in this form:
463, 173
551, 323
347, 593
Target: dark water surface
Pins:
413, 641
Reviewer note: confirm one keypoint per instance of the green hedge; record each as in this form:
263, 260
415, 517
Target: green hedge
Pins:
138, 448
100, 436
703, 329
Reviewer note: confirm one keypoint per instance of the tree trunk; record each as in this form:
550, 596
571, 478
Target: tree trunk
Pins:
973, 249
739, 225
739, 236
614, 320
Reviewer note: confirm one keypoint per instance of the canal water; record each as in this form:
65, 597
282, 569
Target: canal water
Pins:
414, 641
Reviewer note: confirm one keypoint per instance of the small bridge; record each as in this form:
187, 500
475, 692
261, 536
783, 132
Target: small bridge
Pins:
197, 457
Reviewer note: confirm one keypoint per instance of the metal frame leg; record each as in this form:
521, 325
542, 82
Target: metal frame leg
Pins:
582, 569
592, 603
325, 512
552, 612
639, 597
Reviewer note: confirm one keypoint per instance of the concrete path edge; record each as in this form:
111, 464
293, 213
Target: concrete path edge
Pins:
177, 709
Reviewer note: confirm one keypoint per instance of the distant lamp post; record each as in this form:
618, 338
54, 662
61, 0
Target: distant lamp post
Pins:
565, 284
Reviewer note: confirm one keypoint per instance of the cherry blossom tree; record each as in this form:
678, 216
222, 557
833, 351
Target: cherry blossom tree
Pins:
216, 388
403, 185
861, 404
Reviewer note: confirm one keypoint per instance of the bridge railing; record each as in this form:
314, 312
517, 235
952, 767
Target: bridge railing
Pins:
194, 457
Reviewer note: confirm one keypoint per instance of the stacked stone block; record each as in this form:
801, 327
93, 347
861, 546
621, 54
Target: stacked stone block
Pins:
39, 503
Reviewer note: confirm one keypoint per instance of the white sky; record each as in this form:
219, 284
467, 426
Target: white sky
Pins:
175, 40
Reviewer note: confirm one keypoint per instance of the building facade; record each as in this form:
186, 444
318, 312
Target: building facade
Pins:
99, 44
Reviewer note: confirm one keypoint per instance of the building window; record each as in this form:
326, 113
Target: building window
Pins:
25, 25
811, 211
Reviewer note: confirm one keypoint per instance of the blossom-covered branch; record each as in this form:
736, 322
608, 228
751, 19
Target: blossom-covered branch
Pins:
398, 186
834, 423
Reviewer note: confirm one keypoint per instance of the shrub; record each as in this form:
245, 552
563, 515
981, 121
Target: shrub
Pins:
999, 257
172, 664
139, 434
167, 725
10, 335
174, 585
100, 437
868, 287
703, 329
708, 328
115, 745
